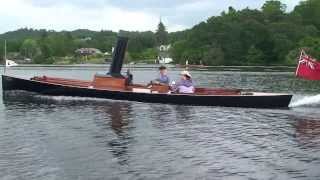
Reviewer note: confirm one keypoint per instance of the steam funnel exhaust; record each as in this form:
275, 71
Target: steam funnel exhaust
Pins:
118, 57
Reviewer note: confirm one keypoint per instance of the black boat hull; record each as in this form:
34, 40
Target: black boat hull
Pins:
249, 101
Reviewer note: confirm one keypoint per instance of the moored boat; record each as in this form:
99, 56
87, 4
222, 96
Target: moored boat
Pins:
114, 85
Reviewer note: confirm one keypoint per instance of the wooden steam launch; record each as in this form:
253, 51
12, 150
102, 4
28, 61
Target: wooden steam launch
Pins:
114, 85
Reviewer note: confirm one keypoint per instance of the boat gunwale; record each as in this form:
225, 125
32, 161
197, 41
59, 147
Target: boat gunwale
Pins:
261, 94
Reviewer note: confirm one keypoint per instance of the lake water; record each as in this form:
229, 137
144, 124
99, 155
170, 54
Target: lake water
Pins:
81, 138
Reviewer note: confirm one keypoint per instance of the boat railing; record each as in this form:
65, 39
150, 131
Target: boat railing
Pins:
62, 81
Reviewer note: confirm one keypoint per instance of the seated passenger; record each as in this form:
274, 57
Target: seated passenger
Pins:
185, 85
163, 78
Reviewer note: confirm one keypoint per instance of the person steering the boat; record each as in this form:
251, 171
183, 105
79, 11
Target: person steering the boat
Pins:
163, 78
185, 85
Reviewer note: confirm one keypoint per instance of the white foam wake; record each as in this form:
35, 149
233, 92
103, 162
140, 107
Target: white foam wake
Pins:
310, 100
71, 98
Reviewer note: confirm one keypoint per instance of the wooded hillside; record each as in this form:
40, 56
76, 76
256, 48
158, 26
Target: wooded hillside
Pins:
266, 36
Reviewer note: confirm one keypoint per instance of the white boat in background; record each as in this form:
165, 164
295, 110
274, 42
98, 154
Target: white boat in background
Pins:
165, 60
10, 63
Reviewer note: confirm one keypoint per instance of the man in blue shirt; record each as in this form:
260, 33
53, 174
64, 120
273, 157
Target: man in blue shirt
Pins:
163, 77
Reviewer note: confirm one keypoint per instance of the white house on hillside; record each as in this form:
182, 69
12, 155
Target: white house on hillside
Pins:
163, 54
88, 51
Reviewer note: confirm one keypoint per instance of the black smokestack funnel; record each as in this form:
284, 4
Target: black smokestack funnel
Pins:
118, 57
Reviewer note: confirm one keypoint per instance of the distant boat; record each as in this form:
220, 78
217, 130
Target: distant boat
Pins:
10, 63
165, 60
113, 85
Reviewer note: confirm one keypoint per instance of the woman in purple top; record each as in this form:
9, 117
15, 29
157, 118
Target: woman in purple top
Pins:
185, 85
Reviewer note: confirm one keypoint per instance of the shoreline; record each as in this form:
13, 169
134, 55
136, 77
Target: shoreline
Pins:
145, 66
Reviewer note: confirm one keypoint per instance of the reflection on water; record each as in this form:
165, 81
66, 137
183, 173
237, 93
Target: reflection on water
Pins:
117, 113
308, 132
183, 113
128, 139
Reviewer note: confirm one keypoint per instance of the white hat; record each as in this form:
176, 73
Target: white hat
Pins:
186, 73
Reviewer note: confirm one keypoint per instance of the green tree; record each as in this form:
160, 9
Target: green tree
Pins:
213, 56
311, 46
274, 10
255, 56
162, 34
292, 57
177, 51
139, 42
30, 48
309, 12
1, 50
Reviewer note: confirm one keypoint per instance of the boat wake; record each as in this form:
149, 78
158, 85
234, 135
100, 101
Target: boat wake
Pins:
307, 101
29, 96
76, 100
71, 98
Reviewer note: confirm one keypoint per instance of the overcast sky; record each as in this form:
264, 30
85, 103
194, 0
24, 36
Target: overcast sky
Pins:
133, 15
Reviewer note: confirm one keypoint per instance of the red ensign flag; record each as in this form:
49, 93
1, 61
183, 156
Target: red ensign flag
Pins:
308, 67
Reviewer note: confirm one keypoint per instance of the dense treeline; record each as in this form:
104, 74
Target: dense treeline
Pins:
252, 37
269, 36
46, 47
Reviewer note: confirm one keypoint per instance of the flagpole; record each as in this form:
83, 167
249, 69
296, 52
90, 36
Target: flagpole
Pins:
301, 54
5, 56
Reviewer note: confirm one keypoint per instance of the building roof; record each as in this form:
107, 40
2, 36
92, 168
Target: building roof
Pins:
88, 51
